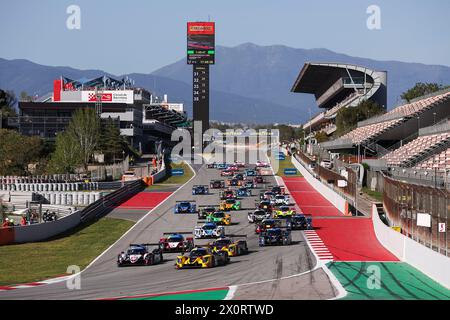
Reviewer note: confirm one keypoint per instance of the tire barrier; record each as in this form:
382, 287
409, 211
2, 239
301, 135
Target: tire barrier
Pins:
68, 198
41, 187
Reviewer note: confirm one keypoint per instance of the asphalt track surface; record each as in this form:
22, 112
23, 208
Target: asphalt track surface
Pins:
262, 273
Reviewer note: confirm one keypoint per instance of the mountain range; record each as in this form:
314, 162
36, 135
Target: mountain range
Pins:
249, 83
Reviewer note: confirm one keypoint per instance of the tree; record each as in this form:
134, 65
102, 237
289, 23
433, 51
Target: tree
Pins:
111, 142
84, 128
17, 151
348, 118
7, 103
321, 136
421, 89
67, 156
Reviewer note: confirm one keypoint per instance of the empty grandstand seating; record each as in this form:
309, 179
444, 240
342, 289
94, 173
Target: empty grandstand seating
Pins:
363, 134
417, 148
439, 162
416, 107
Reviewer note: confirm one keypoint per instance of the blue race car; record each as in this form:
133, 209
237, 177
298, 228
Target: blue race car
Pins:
209, 230
200, 189
250, 173
300, 221
244, 192
275, 236
185, 207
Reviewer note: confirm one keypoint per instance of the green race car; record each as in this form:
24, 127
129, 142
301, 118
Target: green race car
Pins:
283, 212
230, 204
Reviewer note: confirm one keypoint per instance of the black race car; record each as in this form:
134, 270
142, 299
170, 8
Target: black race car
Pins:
300, 222
217, 184
275, 236
200, 189
140, 254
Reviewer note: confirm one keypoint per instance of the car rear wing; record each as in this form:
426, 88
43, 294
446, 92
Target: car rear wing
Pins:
236, 235
207, 206
200, 185
178, 201
143, 244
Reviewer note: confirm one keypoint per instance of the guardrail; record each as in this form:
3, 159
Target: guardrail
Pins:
98, 208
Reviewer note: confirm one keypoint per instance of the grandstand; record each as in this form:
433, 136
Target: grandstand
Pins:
142, 118
336, 86
383, 134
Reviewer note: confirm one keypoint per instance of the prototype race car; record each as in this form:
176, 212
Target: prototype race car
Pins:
277, 190
228, 194
301, 222
221, 166
275, 236
239, 164
200, 189
185, 206
258, 179
244, 192
230, 204
267, 224
231, 247
211, 165
262, 164
176, 242
265, 205
140, 254
234, 182
283, 212
217, 184
257, 216
209, 230
267, 195
250, 173
226, 173
249, 183
238, 176
202, 257
282, 200
220, 218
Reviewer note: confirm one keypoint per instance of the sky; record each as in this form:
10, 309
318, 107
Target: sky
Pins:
143, 35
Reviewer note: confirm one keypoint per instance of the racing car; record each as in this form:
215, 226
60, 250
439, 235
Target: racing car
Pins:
176, 242
301, 222
209, 230
275, 236
228, 194
202, 257
238, 176
239, 164
244, 192
211, 165
265, 205
258, 179
249, 183
226, 173
267, 195
185, 206
221, 166
234, 182
257, 216
200, 189
267, 224
283, 212
277, 189
219, 217
231, 247
205, 211
262, 164
140, 254
217, 184
282, 200
250, 173
230, 204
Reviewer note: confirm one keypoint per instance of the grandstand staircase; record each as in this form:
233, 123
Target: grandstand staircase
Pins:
427, 153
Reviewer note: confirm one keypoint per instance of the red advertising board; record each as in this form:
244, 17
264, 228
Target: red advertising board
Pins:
201, 28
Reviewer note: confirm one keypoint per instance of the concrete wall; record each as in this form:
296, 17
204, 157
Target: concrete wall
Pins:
42, 231
431, 263
338, 201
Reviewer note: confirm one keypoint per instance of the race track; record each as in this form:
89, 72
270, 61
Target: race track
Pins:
262, 273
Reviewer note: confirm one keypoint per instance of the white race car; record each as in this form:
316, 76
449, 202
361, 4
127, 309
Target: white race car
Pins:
209, 230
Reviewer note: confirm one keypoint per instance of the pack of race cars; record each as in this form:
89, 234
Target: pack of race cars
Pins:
273, 218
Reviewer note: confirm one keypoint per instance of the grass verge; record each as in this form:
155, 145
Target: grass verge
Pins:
378, 196
284, 164
29, 262
170, 180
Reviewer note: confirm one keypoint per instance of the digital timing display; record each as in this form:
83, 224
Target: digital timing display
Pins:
200, 42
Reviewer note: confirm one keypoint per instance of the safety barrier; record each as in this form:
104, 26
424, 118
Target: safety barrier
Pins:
42, 187
431, 263
56, 178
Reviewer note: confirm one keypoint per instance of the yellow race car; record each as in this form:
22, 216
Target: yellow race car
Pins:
231, 247
283, 212
202, 257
